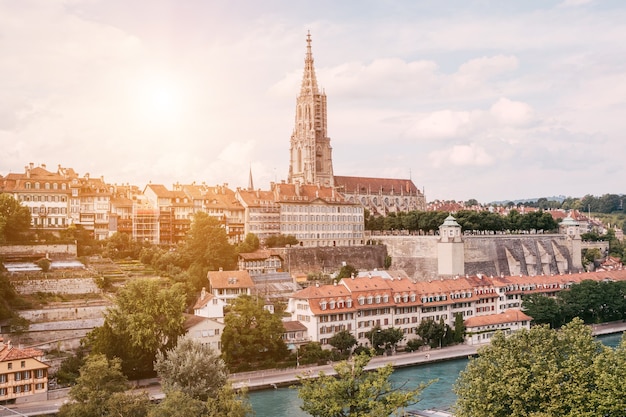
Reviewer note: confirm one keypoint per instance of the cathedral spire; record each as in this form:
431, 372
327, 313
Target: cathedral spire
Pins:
310, 153
250, 183
309, 81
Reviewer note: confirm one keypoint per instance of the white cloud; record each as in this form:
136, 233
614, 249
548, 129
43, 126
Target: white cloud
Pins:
461, 156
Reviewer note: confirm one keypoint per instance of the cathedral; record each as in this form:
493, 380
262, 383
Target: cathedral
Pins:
311, 160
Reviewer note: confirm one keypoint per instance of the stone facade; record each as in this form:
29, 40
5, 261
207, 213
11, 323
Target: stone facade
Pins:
310, 153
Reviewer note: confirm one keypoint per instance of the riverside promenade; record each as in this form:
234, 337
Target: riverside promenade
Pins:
274, 378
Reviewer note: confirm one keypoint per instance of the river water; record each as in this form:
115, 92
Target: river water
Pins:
284, 402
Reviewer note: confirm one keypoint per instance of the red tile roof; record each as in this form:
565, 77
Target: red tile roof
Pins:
230, 279
367, 185
508, 316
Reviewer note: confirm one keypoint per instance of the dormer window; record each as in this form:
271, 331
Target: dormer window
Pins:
323, 305
349, 302
385, 298
412, 297
397, 298
370, 299
332, 304
361, 300
378, 299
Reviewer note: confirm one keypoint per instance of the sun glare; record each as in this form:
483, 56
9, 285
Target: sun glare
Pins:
159, 102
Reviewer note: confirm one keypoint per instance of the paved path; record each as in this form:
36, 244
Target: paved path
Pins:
271, 378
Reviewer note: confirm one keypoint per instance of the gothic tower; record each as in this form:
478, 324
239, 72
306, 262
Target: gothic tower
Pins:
310, 152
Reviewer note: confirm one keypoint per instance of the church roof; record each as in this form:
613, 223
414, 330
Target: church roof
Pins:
368, 185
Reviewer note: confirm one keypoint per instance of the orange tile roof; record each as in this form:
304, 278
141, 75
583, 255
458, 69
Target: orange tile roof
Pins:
201, 302
11, 353
508, 316
230, 279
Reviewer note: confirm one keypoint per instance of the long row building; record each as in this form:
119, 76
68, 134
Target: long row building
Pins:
487, 304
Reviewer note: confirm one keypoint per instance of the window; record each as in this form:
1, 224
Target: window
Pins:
23, 364
3, 378
10, 365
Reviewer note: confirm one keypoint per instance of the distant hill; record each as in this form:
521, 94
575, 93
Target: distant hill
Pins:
559, 198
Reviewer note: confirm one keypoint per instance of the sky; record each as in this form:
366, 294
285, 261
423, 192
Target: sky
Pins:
472, 99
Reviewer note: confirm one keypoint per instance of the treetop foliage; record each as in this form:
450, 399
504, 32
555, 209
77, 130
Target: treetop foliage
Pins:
191, 368
355, 392
543, 372
14, 219
147, 318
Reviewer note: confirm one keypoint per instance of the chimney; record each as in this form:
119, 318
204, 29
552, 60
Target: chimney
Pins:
203, 293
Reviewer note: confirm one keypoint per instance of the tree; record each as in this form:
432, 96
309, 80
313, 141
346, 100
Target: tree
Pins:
432, 332
191, 368
99, 391
543, 309
343, 341
14, 219
391, 336
459, 328
347, 271
355, 392
251, 333
207, 248
542, 372
249, 244
145, 319
281, 241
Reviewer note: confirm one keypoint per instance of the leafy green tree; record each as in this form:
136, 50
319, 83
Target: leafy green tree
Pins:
543, 309
176, 404
313, 352
249, 244
355, 392
252, 334
432, 332
99, 391
229, 403
347, 271
207, 249
391, 336
121, 245
343, 341
281, 241
541, 372
14, 219
459, 328
146, 318
192, 368
69, 371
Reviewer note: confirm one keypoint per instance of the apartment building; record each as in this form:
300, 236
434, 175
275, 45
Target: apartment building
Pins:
261, 212
46, 195
362, 303
319, 216
23, 374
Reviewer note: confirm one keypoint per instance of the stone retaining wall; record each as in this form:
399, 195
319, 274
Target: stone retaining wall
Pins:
57, 286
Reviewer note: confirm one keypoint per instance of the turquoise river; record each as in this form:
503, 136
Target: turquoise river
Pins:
284, 402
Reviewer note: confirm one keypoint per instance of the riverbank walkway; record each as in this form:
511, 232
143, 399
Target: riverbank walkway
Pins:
273, 378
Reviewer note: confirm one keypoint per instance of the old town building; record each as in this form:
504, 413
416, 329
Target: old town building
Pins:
23, 374
360, 304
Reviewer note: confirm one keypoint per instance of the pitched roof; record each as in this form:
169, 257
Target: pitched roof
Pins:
367, 185
293, 326
10, 353
508, 316
230, 279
